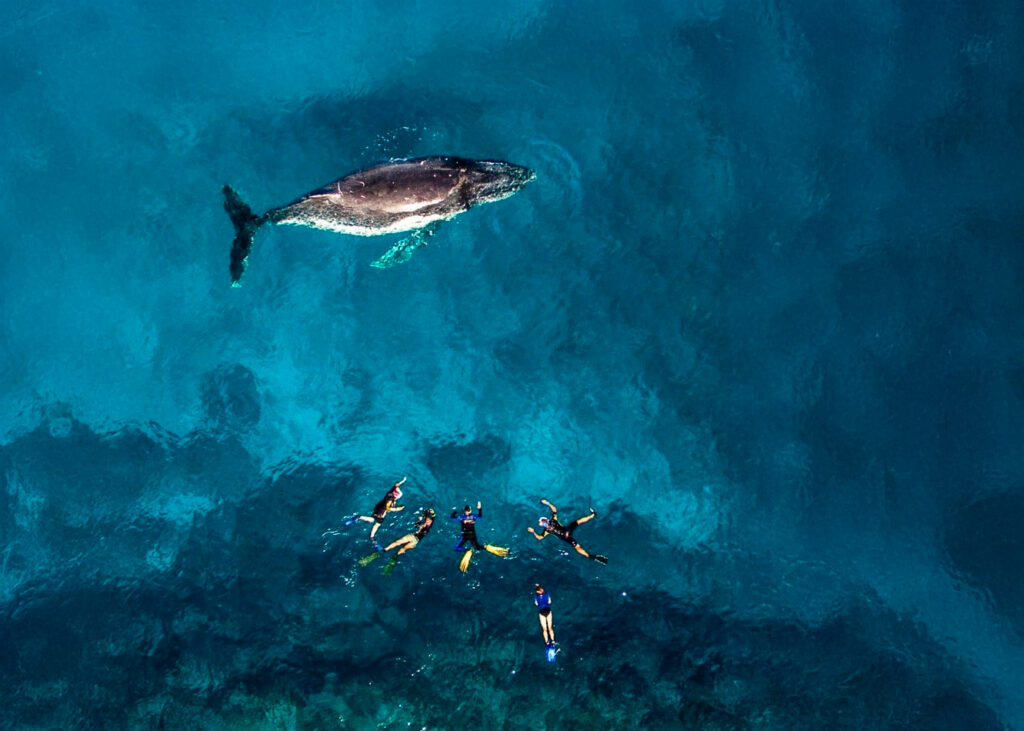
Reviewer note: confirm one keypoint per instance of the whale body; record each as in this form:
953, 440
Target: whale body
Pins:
393, 197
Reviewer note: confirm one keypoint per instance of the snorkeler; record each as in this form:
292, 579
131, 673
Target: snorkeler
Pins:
406, 543
380, 510
553, 527
468, 520
543, 601
410, 540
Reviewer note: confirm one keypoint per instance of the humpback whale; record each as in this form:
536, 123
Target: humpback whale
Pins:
393, 197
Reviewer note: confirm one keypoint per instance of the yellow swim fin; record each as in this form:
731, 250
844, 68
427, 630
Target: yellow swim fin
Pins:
496, 550
367, 560
466, 558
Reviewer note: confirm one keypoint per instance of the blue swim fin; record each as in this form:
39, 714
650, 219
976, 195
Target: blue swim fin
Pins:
551, 651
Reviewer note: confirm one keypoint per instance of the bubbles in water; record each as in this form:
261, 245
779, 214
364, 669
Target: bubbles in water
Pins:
60, 427
395, 144
558, 174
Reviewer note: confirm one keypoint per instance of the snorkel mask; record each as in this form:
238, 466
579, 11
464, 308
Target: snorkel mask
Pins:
544, 522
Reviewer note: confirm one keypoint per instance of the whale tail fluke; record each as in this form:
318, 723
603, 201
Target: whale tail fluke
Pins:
246, 224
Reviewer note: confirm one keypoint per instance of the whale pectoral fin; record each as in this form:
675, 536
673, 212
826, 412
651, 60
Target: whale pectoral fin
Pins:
401, 252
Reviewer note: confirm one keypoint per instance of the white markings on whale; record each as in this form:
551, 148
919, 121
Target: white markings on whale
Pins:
393, 197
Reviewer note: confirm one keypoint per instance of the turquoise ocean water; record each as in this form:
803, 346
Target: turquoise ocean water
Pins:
761, 309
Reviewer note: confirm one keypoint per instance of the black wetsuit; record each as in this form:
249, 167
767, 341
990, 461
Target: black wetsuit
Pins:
468, 529
562, 531
380, 510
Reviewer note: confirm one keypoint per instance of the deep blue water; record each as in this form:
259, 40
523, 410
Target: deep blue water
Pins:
762, 309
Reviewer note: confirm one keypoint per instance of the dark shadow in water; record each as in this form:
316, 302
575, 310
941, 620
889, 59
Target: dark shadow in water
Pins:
461, 464
231, 397
986, 544
238, 612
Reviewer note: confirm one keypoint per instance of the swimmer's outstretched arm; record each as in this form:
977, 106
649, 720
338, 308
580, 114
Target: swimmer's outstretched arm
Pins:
538, 536
554, 510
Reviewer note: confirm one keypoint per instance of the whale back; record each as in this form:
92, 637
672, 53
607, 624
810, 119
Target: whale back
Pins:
392, 197
402, 195
399, 187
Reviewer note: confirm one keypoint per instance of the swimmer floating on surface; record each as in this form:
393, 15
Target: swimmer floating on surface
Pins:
380, 511
553, 527
410, 540
468, 523
543, 601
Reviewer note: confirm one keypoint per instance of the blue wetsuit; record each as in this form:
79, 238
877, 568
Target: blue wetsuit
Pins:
543, 602
468, 529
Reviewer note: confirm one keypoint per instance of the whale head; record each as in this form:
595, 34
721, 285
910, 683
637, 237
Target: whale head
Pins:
493, 180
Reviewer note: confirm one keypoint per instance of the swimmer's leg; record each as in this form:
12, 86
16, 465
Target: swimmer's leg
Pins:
585, 518
547, 629
400, 542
